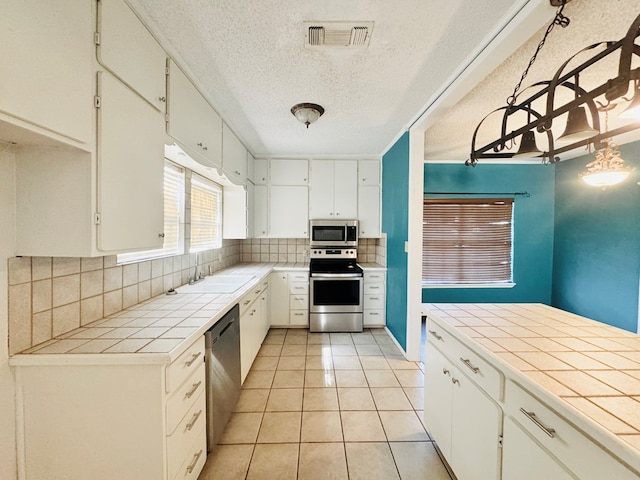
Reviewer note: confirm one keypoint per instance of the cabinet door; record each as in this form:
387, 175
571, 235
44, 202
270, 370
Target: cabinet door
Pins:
260, 171
345, 180
369, 172
130, 169
524, 459
264, 316
235, 216
260, 211
279, 292
129, 51
321, 188
438, 398
191, 120
234, 155
476, 425
246, 340
289, 172
288, 212
369, 211
47, 55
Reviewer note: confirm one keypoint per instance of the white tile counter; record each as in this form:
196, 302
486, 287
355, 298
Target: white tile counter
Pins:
588, 371
155, 331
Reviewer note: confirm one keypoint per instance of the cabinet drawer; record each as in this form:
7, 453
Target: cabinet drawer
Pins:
375, 276
374, 317
185, 435
583, 457
298, 277
248, 299
195, 458
299, 317
374, 288
485, 375
374, 302
299, 288
299, 302
184, 398
185, 365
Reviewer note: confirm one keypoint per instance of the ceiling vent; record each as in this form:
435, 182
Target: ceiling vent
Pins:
338, 34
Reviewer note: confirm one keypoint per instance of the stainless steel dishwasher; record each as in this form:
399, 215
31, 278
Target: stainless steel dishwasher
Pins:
222, 363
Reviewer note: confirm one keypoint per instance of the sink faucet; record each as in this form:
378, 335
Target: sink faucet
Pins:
197, 275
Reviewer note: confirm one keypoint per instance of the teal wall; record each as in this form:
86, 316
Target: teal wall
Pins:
597, 244
395, 223
533, 226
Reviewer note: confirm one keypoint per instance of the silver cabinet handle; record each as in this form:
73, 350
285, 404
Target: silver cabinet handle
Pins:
162, 99
196, 457
161, 235
194, 357
455, 381
468, 364
194, 420
445, 371
532, 416
435, 334
193, 390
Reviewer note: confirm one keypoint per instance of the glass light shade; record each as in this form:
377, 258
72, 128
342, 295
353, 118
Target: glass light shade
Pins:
607, 169
307, 113
633, 109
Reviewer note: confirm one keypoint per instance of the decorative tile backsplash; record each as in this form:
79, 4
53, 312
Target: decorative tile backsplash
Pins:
51, 296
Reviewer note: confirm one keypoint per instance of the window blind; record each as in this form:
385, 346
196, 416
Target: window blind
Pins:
206, 214
173, 218
467, 241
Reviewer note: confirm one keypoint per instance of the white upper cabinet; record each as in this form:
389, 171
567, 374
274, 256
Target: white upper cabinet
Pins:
191, 120
130, 170
127, 49
289, 172
369, 211
333, 189
260, 219
369, 172
288, 211
48, 82
260, 171
234, 155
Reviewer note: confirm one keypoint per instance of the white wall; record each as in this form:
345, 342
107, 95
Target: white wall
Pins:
7, 249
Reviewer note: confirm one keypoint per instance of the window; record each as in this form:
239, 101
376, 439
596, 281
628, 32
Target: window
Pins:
173, 218
467, 242
206, 215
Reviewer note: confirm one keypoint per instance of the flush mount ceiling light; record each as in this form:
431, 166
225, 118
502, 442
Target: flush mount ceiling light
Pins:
541, 107
307, 113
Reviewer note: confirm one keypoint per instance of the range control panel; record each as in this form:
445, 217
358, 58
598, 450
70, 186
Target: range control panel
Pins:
331, 253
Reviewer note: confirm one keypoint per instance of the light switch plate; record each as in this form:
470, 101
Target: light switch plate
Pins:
406, 247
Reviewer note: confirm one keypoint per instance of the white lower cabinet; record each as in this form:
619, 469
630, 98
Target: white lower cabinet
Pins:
463, 420
254, 324
131, 419
374, 298
525, 459
289, 298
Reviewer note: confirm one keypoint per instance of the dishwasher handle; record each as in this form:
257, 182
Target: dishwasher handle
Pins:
215, 339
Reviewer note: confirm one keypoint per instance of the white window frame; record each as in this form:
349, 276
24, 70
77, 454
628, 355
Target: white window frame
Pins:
174, 182
209, 222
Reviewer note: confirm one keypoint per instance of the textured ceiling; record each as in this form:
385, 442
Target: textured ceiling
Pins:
249, 58
592, 21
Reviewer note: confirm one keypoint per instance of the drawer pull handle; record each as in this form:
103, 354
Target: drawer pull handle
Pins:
247, 302
194, 357
257, 292
445, 371
196, 457
193, 421
374, 298
435, 334
468, 364
375, 314
193, 390
532, 416
455, 381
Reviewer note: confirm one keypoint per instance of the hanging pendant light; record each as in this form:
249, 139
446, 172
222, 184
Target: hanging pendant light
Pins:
578, 127
528, 147
307, 113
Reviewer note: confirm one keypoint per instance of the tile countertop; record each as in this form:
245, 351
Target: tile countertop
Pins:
155, 331
588, 371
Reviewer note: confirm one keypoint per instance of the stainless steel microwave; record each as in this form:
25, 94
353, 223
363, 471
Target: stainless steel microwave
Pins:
334, 233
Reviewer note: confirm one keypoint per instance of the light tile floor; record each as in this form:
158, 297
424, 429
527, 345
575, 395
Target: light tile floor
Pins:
328, 406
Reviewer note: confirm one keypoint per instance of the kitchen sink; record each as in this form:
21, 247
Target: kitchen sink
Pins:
217, 284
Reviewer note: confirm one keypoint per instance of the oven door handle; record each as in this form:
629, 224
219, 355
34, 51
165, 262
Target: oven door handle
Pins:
336, 275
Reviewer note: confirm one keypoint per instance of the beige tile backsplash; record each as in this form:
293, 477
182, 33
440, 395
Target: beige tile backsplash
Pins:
51, 296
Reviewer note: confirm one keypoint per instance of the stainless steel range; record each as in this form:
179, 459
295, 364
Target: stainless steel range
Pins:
336, 290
